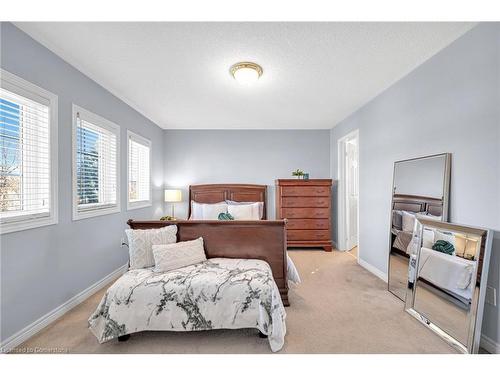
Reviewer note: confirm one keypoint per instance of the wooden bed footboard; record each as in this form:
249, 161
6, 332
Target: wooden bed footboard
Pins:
264, 240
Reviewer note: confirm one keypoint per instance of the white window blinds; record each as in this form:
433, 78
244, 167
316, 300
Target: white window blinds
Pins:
25, 163
95, 165
139, 185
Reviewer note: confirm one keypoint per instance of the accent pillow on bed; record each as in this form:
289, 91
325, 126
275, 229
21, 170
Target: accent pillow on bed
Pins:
177, 255
141, 241
259, 204
207, 211
244, 211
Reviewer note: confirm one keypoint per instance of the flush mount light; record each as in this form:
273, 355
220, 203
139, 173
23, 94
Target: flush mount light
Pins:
246, 73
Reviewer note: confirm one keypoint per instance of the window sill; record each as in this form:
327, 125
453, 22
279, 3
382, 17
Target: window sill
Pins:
80, 215
139, 204
16, 226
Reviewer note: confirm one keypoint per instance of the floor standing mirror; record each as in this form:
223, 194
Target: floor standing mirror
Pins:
420, 189
447, 280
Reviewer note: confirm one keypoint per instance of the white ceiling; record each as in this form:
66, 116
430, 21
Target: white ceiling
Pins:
177, 74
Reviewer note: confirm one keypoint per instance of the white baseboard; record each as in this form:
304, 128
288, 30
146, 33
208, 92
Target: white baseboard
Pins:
24, 334
490, 345
381, 275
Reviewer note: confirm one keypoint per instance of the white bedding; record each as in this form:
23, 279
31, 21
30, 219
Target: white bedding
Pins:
448, 272
292, 273
218, 293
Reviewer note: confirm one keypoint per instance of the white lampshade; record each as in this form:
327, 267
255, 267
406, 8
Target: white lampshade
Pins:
246, 73
172, 195
246, 76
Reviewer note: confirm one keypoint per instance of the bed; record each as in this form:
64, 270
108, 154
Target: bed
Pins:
240, 285
449, 273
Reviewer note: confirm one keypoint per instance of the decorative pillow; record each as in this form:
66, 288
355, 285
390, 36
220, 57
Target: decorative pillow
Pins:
408, 221
444, 236
199, 210
140, 244
259, 204
224, 216
444, 247
177, 255
244, 211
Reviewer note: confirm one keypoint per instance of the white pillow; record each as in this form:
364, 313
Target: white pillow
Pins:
177, 255
140, 242
207, 211
244, 211
425, 216
259, 204
428, 238
408, 221
212, 211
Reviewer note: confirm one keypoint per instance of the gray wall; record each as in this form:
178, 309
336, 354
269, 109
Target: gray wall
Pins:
448, 104
243, 156
44, 267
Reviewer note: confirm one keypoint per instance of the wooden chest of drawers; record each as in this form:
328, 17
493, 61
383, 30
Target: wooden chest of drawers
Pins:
307, 205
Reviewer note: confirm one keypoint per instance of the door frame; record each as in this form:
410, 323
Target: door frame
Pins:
342, 240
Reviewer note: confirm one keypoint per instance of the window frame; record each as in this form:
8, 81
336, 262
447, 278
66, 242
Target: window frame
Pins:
131, 136
107, 125
22, 87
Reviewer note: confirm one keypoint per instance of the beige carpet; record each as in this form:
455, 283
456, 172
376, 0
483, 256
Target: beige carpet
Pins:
339, 308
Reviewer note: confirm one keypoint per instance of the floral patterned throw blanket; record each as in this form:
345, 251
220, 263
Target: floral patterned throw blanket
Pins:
218, 293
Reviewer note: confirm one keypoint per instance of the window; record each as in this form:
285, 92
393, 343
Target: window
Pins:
28, 155
96, 165
139, 172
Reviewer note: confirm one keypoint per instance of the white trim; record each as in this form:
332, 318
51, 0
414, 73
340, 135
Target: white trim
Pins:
489, 344
367, 266
35, 327
146, 142
341, 204
112, 127
53, 216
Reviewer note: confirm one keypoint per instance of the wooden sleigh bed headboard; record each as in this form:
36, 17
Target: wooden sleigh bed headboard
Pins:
214, 193
415, 203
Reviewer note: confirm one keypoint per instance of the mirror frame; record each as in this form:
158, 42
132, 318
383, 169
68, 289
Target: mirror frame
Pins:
475, 313
445, 198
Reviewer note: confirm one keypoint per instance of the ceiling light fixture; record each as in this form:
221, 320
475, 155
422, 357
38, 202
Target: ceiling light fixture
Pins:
246, 73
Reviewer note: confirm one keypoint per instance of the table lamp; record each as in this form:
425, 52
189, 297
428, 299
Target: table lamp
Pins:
173, 196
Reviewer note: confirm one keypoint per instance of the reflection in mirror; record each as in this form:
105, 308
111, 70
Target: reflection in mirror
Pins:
448, 264
420, 189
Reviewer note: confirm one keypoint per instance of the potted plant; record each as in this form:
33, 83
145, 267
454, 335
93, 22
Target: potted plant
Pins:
298, 173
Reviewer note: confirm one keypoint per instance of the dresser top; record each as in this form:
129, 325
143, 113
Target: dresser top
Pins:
300, 182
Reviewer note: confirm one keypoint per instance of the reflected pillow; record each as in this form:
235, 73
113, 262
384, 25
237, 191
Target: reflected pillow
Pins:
428, 238
408, 221
397, 219
445, 236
